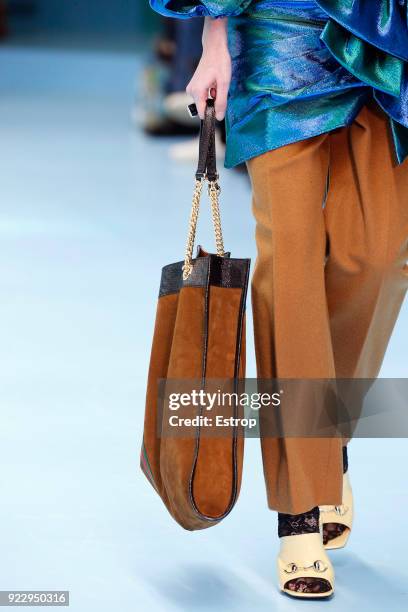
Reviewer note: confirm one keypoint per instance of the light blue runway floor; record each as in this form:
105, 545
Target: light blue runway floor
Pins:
90, 211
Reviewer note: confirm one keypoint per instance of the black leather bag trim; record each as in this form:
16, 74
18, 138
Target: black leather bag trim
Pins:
208, 270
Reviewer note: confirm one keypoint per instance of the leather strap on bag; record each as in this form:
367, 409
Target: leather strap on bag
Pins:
206, 171
207, 161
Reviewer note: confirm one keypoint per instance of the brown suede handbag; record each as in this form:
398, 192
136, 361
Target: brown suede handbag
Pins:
199, 335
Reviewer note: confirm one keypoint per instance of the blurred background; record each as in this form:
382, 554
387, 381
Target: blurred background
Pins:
97, 158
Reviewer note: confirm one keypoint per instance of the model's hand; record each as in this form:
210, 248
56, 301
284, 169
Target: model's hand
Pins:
213, 74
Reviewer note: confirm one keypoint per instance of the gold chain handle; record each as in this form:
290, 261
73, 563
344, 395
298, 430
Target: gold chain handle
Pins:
195, 207
213, 192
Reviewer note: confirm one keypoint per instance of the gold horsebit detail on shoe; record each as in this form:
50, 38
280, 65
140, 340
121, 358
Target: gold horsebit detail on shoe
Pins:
318, 566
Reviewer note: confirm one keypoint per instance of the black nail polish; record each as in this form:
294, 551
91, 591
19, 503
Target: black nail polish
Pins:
192, 109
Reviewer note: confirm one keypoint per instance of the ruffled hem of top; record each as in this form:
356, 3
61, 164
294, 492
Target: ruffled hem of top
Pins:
382, 23
370, 40
184, 9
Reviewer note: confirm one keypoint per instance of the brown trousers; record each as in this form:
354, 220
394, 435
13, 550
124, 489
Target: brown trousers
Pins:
328, 283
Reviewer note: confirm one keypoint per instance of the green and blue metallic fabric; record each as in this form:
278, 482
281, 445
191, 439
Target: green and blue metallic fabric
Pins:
304, 67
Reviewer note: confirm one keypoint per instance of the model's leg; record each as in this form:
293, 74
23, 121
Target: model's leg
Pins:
367, 224
292, 340
291, 324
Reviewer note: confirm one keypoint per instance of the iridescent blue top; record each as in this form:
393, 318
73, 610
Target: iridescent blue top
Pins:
304, 67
